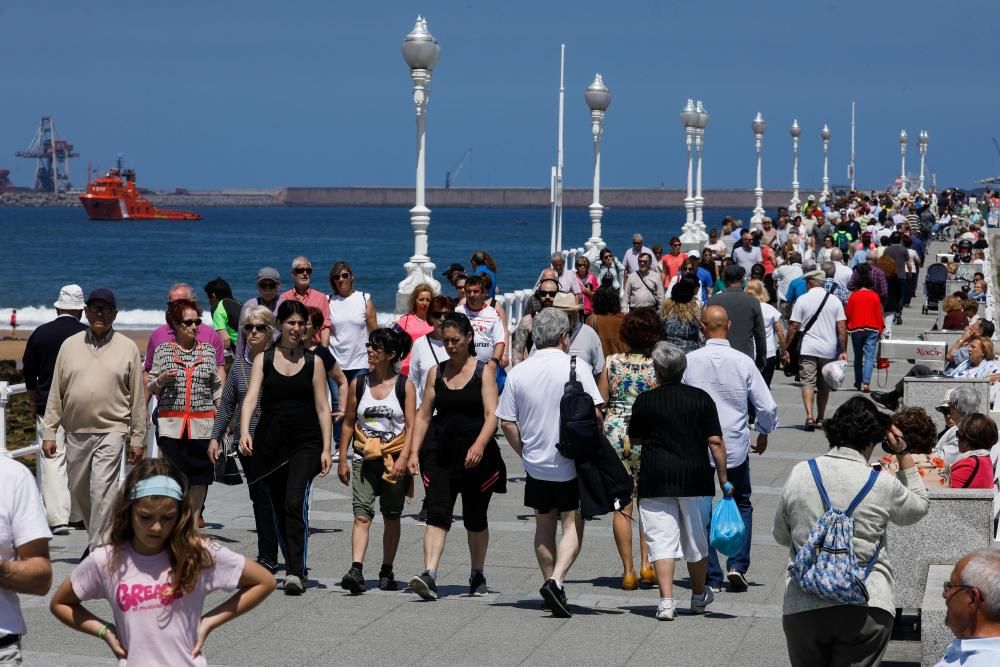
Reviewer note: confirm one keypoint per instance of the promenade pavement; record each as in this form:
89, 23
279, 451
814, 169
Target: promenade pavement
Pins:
326, 626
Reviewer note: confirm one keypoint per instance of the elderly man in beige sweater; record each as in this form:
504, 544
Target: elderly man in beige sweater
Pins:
97, 398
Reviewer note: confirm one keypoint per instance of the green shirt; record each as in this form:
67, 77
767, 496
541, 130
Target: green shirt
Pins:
220, 321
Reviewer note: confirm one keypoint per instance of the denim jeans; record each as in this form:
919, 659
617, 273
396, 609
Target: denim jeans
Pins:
865, 345
740, 478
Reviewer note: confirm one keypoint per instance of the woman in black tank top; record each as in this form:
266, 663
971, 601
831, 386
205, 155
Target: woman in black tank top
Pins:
291, 444
455, 426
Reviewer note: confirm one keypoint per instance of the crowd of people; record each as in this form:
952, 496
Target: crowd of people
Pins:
672, 355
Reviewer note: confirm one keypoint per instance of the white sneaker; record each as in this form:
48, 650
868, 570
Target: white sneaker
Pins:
699, 602
666, 611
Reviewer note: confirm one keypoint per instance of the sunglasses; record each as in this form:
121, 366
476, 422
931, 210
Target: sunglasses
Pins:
259, 328
100, 310
550, 294
374, 348
675, 245
303, 270
342, 276
437, 314
267, 284
194, 322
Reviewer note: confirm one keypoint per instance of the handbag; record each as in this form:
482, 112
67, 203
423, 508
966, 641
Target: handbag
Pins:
226, 470
794, 349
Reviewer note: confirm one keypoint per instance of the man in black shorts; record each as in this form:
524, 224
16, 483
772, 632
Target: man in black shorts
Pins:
529, 414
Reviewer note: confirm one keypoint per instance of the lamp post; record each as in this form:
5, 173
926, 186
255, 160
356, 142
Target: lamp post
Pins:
758, 125
598, 98
699, 201
689, 118
903, 138
420, 51
826, 162
922, 143
795, 131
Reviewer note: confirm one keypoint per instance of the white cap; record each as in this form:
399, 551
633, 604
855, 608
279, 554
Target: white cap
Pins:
70, 298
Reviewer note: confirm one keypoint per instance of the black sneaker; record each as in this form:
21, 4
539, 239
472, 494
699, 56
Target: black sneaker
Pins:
477, 584
77, 525
422, 517
354, 581
424, 586
268, 565
556, 599
387, 581
886, 399
737, 581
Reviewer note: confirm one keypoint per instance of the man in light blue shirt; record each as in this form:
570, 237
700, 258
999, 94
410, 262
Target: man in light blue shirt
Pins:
972, 596
732, 380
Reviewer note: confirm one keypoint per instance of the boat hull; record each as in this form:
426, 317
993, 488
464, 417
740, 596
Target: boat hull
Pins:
116, 208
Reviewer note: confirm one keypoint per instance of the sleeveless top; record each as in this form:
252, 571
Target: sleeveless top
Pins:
383, 418
349, 330
287, 396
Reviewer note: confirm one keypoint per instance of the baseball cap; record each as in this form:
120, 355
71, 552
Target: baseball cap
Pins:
946, 403
102, 294
268, 273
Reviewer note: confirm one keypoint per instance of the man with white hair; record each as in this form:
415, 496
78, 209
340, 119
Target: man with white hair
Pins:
303, 291
630, 259
842, 273
529, 416
566, 278
972, 598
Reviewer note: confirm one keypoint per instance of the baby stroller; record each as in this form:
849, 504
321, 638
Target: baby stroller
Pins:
934, 286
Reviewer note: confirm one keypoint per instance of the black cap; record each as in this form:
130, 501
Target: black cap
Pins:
454, 268
733, 273
102, 294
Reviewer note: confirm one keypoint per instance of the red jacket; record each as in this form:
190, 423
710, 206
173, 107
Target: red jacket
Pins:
962, 469
864, 311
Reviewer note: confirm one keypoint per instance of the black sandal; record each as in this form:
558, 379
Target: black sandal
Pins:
810, 425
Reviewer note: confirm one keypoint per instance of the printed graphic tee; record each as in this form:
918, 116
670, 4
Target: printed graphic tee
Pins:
153, 626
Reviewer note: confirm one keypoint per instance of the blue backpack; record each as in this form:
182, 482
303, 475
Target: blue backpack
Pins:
826, 566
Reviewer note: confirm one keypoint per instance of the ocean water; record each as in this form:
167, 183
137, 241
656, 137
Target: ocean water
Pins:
44, 249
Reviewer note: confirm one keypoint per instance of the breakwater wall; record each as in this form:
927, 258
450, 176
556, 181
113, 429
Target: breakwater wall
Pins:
506, 197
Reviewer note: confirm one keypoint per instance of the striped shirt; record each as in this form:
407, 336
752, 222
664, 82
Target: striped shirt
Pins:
233, 393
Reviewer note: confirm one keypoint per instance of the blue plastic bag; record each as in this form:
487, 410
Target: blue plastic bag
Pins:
728, 531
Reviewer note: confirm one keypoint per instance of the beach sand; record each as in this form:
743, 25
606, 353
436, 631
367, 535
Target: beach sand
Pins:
12, 345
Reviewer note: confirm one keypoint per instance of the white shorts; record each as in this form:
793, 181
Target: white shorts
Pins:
676, 527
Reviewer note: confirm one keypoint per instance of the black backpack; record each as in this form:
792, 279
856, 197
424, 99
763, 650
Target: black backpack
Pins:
579, 431
400, 388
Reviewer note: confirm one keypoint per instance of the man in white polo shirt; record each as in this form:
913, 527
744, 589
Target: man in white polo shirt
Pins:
529, 414
24, 553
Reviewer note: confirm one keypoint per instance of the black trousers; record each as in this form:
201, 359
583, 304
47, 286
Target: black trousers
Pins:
288, 488
263, 517
838, 636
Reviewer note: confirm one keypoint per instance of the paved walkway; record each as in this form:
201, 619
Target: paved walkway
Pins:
610, 626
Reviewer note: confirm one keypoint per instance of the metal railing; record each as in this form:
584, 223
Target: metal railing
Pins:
6, 392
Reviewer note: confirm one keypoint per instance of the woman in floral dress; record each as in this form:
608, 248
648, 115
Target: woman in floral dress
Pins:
623, 378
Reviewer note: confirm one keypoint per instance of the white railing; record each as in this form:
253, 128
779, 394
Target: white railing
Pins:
6, 391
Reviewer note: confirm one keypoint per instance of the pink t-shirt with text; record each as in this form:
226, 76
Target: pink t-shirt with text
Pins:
154, 628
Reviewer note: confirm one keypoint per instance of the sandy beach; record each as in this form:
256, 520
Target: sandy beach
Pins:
12, 345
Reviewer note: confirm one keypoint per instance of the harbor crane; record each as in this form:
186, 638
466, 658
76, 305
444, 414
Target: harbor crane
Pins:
452, 174
51, 155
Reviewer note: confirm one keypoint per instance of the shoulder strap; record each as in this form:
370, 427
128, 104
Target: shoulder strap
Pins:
401, 390
819, 484
972, 477
872, 478
572, 368
816, 315
359, 387
431, 345
478, 373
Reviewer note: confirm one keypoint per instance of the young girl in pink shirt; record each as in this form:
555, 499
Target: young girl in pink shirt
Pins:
155, 574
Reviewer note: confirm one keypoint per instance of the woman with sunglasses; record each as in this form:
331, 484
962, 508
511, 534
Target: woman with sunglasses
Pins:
186, 380
291, 444
588, 284
352, 318
415, 322
456, 424
610, 270
381, 405
256, 329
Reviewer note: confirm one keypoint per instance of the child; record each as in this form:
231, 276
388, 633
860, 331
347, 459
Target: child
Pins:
155, 573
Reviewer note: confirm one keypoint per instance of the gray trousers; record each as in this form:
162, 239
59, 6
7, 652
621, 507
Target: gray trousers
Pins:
11, 655
93, 461
838, 636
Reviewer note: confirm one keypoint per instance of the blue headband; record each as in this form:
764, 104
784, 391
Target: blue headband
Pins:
158, 485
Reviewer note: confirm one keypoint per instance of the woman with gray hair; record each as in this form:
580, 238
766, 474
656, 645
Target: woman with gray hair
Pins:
676, 423
958, 402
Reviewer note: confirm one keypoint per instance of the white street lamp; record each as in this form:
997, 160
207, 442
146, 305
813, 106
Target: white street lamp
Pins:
699, 201
758, 125
903, 138
826, 163
420, 51
598, 98
689, 118
795, 131
922, 143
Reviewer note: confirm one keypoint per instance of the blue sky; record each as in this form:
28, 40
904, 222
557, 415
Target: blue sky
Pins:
267, 94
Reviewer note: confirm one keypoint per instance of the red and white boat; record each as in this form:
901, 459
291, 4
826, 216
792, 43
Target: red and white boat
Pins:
116, 197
